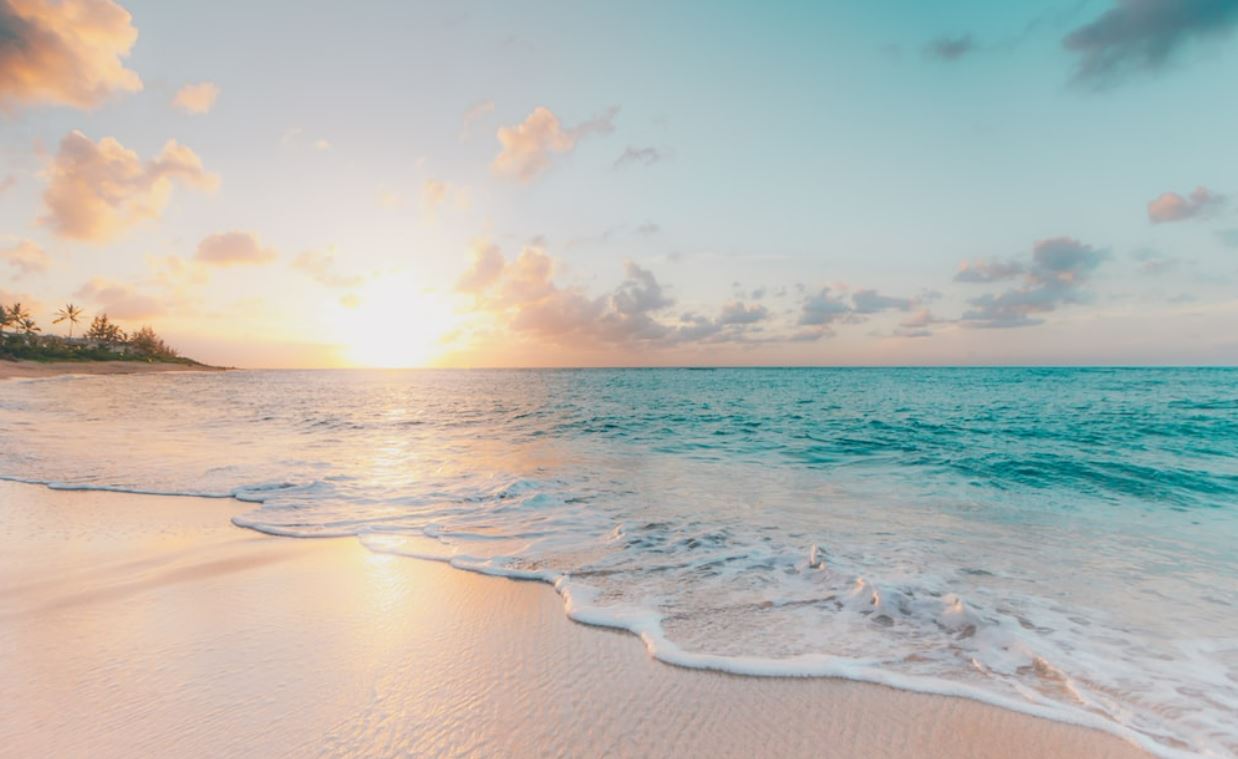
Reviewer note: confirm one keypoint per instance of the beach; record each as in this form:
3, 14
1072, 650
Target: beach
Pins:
35, 369
654, 380
144, 625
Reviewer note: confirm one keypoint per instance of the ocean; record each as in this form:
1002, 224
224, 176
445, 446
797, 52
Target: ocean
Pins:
1059, 541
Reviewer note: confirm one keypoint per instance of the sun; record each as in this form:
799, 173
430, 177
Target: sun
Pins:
393, 323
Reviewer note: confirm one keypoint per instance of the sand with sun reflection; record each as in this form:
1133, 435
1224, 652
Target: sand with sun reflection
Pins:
134, 625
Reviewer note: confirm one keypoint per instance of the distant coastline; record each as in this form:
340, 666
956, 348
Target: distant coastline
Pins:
105, 348
26, 369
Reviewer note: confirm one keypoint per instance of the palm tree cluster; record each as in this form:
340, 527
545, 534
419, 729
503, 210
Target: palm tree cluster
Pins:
103, 339
18, 317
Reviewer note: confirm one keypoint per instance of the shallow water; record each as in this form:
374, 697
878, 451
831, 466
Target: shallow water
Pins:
1060, 541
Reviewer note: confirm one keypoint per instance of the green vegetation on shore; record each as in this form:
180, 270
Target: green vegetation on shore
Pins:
104, 340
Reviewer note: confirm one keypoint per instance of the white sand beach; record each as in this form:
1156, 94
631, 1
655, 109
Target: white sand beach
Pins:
144, 626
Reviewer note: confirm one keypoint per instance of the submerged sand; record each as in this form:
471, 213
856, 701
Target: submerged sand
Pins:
30, 369
141, 626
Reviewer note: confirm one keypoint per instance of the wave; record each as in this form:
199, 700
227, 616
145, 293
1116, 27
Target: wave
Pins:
582, 604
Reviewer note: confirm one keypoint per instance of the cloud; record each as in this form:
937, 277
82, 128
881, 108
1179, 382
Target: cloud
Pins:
322, 268
485, 270
64, 53
917, 325
97, 191
522, 299
1059, 267
1170, 206
527, 147
473, 114
175, 274
233, 249
120, 301
1153, 263
25, 257
950, 49
196, 98
648, 229
822, 309
988, 271
872, 302
638, 156
10, 298
435, 193
1144, 35
737, 312
322, 144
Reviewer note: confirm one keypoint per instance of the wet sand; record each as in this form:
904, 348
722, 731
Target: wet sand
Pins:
150, 626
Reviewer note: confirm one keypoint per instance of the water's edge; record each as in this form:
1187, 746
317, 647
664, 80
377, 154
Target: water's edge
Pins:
645, 624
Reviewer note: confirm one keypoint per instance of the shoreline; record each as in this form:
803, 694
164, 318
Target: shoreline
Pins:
166, 582
26, 369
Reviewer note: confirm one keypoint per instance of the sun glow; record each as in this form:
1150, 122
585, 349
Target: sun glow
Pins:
393, 323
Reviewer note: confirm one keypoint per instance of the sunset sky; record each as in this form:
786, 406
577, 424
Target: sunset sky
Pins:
578, 183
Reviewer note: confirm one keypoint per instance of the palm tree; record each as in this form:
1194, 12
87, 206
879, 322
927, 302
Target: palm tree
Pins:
70, 313
28, 327
5, 319
17, 315
18, 312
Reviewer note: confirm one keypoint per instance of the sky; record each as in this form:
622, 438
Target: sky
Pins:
555, 183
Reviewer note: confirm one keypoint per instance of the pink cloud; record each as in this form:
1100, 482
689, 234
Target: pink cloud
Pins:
26, 257
65, 52
1170, 206
98, 191
196, 98
527, 147
234, 249
121, 301
520, 301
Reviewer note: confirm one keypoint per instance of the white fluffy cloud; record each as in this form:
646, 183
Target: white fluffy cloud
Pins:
99, 190
64, 52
